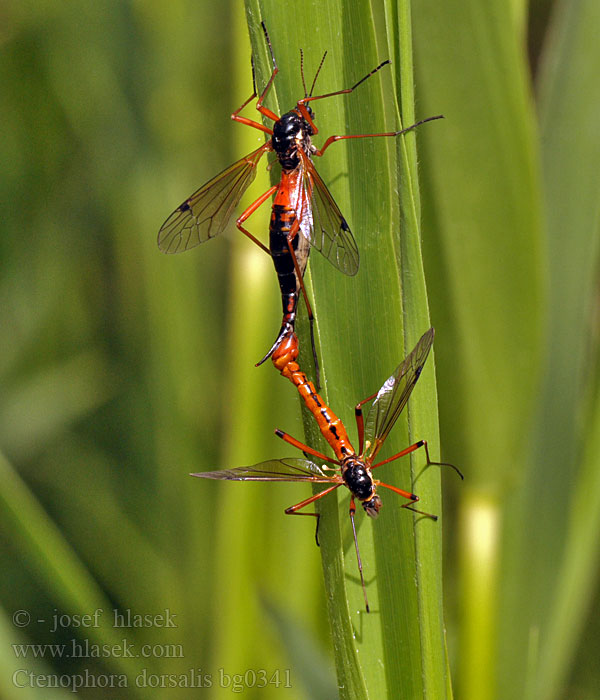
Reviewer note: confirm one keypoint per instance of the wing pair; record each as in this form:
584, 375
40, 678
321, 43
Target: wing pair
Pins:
207, 212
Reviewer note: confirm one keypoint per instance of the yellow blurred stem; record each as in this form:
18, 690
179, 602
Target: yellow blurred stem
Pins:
479, 545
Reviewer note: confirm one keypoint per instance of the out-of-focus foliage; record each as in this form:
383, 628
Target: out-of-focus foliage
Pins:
123, 370
512, 231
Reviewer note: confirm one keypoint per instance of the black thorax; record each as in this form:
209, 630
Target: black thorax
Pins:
291, 132
357, 478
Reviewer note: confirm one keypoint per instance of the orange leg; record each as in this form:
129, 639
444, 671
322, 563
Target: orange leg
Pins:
250, 122
293, 510
360, 421
249, 211
404, 452
259, 104
412, 448
305, 448
412, 497
253, 124
333, 139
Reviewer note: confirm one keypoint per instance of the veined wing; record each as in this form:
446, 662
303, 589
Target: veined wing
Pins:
393, 395
293, 469
206, 213
322, 222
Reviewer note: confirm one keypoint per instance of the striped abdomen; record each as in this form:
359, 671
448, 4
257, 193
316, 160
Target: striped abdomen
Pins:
285, 231
284, 223
332, 428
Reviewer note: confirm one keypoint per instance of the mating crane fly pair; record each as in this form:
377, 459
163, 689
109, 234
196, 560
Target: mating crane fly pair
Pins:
304, 213
352, 469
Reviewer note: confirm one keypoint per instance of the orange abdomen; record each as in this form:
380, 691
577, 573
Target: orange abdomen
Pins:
330, 425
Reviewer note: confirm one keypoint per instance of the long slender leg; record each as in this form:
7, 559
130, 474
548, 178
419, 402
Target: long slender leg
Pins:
252, 96
411, 497
305, 448
404, 452
333, 139
293, 510
250, 122
360, 427
440, 464
249, 211
259, 105
360, 569
412, 448
360, 422
247, 102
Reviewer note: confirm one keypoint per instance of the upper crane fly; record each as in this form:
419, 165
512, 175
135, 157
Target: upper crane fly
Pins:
304, 213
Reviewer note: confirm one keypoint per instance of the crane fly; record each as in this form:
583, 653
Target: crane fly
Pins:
351, 469
304, 214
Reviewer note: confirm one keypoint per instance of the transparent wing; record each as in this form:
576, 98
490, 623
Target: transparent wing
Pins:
274, 470
206, 213
393, 395
322, 222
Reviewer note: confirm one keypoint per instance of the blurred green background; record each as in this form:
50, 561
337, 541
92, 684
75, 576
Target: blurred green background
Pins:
122, 370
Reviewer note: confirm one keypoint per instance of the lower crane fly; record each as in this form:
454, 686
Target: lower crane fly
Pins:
302, 204
352, 469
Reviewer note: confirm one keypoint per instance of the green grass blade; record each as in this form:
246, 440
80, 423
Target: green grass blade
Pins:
398, 650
